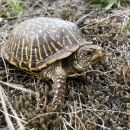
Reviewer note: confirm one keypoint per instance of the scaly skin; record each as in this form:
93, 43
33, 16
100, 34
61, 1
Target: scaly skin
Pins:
74, 65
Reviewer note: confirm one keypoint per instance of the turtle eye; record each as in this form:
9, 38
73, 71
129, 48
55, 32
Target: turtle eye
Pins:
88, 53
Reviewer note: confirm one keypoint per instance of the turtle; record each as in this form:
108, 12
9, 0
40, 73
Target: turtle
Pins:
51, 48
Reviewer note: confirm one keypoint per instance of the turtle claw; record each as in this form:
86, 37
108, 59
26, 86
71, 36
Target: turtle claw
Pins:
55, 106
58, 105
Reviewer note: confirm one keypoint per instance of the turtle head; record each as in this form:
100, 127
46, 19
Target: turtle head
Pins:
86, 56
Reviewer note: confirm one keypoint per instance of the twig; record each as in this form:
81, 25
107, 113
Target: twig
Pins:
18, 86
83, 18
13, 116
8, 120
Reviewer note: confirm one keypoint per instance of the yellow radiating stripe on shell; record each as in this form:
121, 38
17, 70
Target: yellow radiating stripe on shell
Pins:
30, 59
12, 46
36, 54
39, 48
13, 62
56, 41
64, 41
52, 36
17, 51
55, 31
23, 42
73, 36
26, 48
53, 46
69, 39
60, 44
45, 50
22, 50
47, 43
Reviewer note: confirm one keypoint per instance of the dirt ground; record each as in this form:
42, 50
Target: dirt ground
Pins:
98, 100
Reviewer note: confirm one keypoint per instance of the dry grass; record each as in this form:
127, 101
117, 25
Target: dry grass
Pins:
96, 101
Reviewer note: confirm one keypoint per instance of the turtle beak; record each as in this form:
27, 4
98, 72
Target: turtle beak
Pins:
99, 54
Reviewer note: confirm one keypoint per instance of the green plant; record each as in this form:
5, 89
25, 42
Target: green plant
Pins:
105, 4
15, 6
126, 29
113, 3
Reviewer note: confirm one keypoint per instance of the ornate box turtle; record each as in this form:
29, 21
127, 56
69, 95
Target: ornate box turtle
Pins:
50, 48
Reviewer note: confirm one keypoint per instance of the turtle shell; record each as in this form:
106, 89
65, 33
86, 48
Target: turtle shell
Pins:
38, 42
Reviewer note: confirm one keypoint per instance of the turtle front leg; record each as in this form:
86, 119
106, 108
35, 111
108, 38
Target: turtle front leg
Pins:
59, 86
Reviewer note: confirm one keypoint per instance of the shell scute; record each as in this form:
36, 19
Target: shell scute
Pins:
39, 42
